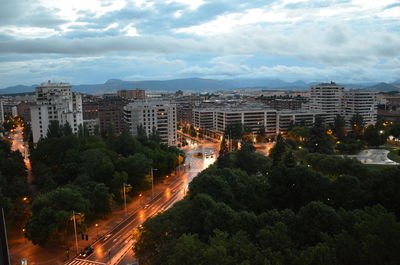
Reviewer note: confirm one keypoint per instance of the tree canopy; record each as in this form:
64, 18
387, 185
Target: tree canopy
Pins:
318, 210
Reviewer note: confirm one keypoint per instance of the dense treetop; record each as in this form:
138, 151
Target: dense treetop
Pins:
87, 174
249, 209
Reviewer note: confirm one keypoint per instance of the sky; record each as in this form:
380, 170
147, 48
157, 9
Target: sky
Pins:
91, 41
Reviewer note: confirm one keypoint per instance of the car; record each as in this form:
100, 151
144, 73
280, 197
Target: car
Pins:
106, 237
86, 252
146, 206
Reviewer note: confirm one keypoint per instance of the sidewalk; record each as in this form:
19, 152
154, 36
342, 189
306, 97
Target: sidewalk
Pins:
56, 254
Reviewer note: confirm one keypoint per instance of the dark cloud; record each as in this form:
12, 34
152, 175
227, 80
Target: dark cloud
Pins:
27, 13
153, 44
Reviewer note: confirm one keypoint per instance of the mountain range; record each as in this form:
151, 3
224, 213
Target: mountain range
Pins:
199, 85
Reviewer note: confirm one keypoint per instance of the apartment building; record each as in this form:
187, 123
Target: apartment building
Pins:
55, 102
328, 98
274, 122
108, 110
158, 115
363, 102
203, 118
284, 119
335, 100
132, 94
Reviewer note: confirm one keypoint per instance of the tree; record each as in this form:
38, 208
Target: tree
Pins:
235, 132
319, 140
278, 150
357, 124
223, 150
54, 130
51, 213
103, 200
155, 136
373, 136
67, 130
141, 134
339, 127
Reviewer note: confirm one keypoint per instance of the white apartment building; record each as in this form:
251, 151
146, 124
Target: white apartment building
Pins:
273, 121
304, 118
333, 100
55, 102
160, 115
328, 98
362, 102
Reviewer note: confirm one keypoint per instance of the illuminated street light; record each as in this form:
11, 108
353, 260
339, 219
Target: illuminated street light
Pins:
381, 132
97, 230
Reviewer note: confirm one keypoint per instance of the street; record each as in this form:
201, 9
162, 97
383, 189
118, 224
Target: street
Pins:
115, 247
18, 144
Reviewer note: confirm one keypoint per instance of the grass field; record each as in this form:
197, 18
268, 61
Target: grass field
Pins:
394, 155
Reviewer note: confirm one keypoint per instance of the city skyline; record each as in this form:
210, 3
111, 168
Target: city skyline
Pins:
92, 41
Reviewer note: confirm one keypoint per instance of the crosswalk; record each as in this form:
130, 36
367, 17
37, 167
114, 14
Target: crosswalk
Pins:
77, 261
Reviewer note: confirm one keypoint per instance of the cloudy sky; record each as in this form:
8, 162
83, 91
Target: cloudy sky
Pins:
90, 41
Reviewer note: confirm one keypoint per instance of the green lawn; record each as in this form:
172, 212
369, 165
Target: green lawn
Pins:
394, 155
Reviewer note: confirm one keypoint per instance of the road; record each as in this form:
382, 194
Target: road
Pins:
17, 144
115, 247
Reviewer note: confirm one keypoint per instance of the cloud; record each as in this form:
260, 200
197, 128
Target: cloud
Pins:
344, 39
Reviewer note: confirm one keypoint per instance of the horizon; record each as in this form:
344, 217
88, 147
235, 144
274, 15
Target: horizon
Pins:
350, 41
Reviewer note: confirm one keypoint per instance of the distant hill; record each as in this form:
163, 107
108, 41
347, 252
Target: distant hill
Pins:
17, 89
396, 83
383, 87
198, 85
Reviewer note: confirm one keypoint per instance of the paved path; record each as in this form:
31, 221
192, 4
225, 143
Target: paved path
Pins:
374, 157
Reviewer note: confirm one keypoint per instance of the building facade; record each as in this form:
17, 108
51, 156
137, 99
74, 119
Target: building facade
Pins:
55, 102
274, 122
363, 102
108, 110
152, 115
328, 98
132, 94
334, 100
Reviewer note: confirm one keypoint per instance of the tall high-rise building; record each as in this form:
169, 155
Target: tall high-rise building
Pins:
335, 100
363, 102
55, 102
327, 97
152, 115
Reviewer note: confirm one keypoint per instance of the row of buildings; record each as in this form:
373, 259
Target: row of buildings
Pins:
324, 102
127, 109
110, 112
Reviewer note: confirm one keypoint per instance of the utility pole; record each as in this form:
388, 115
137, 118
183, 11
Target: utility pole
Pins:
152, 181
4, 255
76, 236
125, 185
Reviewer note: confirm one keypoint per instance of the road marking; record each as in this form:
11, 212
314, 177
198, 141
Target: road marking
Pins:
77, 261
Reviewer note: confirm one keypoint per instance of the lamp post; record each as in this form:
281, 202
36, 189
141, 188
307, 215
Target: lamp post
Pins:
152, 181
76, 235
97, 230
125, 185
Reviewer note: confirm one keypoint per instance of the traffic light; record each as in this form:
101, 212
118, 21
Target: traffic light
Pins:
87, 237
83, 237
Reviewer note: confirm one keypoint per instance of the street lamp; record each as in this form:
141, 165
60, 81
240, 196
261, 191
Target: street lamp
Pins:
152, 181
97, 230
76, 235
125, 185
